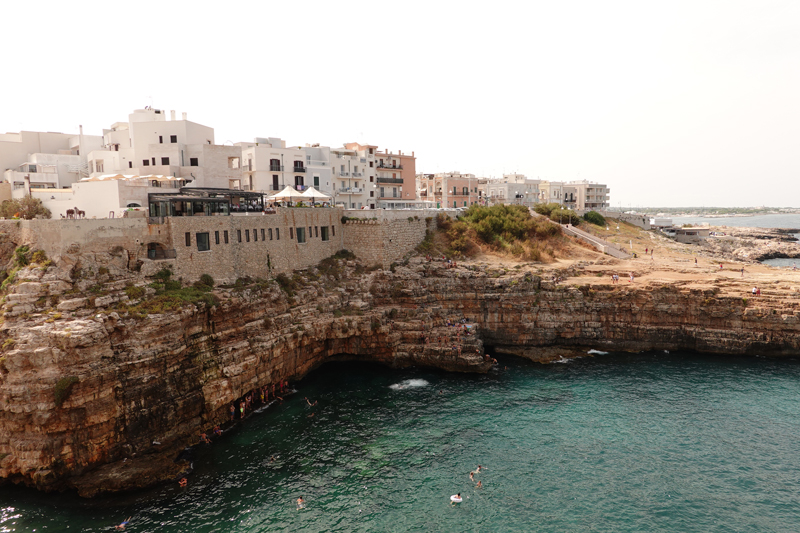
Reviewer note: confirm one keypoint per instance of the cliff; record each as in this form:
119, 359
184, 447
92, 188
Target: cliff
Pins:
96, 396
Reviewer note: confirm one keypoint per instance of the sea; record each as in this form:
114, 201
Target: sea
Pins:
609, 442
787, 220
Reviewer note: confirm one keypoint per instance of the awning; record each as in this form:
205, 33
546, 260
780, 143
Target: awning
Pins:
312, 193
288, 193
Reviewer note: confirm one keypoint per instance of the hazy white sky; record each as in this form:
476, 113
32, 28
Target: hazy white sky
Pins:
670, 103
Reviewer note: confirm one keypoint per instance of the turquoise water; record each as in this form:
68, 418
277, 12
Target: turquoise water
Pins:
650, 442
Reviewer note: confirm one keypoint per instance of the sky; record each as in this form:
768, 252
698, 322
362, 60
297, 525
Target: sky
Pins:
670, 103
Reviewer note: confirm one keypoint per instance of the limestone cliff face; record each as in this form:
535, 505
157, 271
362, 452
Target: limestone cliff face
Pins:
99, 401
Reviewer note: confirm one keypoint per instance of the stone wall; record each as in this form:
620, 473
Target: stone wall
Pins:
257, 245
383, 241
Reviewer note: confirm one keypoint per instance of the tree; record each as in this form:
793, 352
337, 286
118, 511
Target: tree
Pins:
595, 218
27, 208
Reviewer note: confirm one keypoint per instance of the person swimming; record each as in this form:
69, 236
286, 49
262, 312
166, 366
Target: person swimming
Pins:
124, 523
183, 482
479, 485
456, 498
301, 502
472, 476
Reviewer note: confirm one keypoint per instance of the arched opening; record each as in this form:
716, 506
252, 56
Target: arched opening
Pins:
133, 204
156, 250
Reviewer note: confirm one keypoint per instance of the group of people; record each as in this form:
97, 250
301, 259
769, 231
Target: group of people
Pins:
263, 394
615, 278
456, 498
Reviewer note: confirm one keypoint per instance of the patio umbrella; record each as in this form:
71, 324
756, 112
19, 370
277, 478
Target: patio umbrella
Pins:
312, 193
287, 194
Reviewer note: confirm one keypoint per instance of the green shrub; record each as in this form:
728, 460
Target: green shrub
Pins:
21, 256
593, 217
565, 216
546, 209
64, 388
164, 274
206, 279
39, 257
134, 293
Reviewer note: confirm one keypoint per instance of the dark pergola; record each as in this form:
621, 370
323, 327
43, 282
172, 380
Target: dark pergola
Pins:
208, 201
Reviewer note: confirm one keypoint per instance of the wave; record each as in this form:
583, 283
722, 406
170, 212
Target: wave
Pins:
409, 384
597, 352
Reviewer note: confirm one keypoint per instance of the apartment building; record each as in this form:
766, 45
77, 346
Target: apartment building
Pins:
590, 196
396, 183
512, 189
448, 189
45, 160
268, 166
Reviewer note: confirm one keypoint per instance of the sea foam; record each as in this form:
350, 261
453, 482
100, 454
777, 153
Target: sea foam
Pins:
409, 384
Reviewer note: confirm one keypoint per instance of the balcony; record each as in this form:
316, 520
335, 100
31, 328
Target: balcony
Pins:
298, 169
390, 167
349, 190
275, 168
389, 180
358, 174
345, 174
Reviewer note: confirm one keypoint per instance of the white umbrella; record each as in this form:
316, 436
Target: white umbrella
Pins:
287, 193
312, 193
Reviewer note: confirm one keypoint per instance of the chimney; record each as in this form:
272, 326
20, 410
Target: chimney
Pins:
172, 115
184, 115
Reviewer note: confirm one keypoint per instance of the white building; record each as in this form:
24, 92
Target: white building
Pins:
45, 160
150, 144
269, 166
512, 189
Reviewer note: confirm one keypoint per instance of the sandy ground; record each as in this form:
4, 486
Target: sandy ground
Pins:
671, 263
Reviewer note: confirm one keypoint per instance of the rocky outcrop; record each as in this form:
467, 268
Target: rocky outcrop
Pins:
752, 244
96, 399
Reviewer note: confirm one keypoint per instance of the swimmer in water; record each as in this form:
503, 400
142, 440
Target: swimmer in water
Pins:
183, 482
309, 402
301, 502
479, 485
123, 524
456, 498
472, 476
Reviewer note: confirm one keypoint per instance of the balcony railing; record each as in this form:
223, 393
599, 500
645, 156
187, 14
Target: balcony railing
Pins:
357, 174
349, 190
389, 180
391, 167
344, 173
298, 169
275, 168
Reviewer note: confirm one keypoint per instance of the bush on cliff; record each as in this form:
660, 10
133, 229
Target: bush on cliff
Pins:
27, 208
63, 389
565, 216
505, 228
593, 217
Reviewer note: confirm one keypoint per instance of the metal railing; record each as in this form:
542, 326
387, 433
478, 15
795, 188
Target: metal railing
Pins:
275, 168
392, 167
349, 190
357, 174
344, 174
298, 169
389, 180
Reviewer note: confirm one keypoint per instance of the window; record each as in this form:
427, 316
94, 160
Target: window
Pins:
239, 235
130, 164
247, 235
277, 234
309, 232
301, 235
291, 233
370, 151
298, 180
145, 163
165, 160
382, 195
193, 162
173, 138
153, 159
262, 235
160, 139
370, 164
233, 162
203, 244
225, 236
270, 233
325, 233
316, 231
316, 181
188, 239
371, 178
372, 194
255, 235
274, 182
216, 237
333, 230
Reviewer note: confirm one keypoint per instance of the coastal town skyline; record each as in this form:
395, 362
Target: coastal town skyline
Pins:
680, 105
